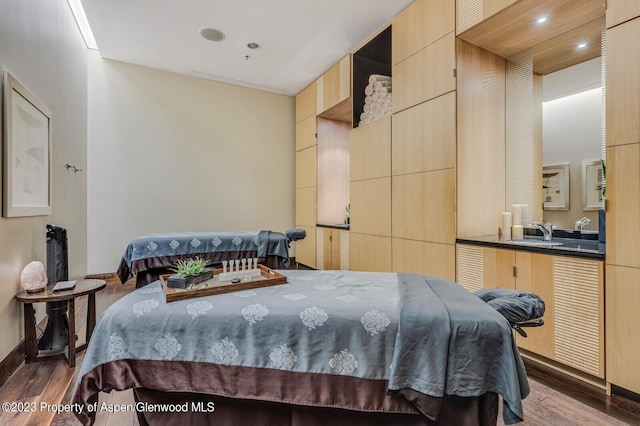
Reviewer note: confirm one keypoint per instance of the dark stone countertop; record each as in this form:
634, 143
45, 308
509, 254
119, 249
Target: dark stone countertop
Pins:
561, 245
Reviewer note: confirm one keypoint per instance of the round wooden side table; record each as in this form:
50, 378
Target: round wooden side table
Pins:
82, 288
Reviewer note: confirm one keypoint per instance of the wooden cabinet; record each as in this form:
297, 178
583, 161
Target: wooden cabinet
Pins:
419, 25
334, 87
306, 133
622, 319
424, 137
306, 103
425, 75
306, 161
422, 257
423, 206
371, 206
619, 11
306, 175
370, 150
623, 84
306, 248
573, 291
332, 248
369, 252
623, 205
623, 194
480, 267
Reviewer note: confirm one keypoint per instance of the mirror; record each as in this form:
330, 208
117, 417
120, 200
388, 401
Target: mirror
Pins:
555, 119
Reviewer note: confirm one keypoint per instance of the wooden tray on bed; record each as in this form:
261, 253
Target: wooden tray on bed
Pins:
267, 278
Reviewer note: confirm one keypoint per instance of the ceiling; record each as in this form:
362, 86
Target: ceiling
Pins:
299, 39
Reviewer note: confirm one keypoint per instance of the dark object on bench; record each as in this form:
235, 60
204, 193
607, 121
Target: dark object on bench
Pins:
520, 308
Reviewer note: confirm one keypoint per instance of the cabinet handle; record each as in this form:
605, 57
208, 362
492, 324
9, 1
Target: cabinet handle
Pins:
515, 272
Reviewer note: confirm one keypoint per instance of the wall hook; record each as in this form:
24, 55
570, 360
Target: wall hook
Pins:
75, 169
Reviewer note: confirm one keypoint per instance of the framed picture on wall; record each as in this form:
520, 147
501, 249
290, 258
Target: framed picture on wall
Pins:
27, 152
592, 180
555, 187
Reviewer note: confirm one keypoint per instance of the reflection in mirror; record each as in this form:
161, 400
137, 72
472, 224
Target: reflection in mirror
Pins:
572, 111
555, 116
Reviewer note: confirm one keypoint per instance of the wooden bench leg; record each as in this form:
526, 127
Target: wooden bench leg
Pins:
71, 337
30, 341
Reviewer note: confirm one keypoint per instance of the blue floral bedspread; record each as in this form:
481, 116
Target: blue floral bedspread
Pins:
423, 333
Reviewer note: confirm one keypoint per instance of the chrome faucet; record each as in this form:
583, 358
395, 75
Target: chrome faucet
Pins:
546, 228
582, 223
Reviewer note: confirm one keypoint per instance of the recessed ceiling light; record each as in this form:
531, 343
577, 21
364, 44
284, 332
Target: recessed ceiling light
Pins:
253, 45
212, 34
582, 45
541, 19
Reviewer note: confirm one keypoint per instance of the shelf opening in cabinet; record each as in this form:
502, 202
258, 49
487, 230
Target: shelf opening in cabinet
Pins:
373, 58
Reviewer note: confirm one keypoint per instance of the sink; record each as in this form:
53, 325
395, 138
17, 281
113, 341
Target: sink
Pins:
535, 243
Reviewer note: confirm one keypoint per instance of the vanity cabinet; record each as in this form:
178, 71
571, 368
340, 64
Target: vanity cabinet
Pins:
572, 289
333, 248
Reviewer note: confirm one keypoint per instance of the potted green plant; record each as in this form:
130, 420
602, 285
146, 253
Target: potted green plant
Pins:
189, 272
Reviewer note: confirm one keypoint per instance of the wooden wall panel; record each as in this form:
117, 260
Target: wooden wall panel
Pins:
423, 206
425, 75
306, 207
619, 11
623, 205
306, 133
306, 167
306, 248
306, 102
622, 319
419, 25
534, 274
623, 84
424, 137
369, 253
371, 206
370, 150
424, 258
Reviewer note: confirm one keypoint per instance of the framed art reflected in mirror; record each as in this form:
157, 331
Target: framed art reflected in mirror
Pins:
592, 188
555, 187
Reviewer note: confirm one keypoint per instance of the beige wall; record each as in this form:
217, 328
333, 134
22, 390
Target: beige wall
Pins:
171, 153
41, 46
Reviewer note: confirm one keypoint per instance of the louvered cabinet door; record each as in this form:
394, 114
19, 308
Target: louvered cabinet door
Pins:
579, 314
484, 267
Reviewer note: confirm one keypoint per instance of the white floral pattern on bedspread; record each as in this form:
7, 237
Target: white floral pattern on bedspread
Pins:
208, 329
424, 333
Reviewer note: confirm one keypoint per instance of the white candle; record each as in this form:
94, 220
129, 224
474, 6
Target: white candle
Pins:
516, 209
517, 232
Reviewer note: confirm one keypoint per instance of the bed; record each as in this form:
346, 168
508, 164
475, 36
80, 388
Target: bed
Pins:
328, 347
149, 256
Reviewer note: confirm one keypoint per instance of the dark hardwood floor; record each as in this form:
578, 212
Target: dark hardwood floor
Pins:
554, 399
